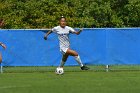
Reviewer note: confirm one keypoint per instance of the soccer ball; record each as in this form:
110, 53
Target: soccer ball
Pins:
59, 71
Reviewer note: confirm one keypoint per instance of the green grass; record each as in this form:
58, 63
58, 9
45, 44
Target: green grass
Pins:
95, 68
71, 82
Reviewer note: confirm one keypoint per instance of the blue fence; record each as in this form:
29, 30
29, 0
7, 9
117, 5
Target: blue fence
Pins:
95, 46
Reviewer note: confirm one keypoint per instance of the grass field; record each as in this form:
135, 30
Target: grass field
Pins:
70, 82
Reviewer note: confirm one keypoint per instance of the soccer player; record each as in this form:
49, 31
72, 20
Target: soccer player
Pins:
4, 46
63, 32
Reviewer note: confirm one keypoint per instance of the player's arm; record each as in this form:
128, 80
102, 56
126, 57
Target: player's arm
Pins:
78, 32
3, 45
46, 35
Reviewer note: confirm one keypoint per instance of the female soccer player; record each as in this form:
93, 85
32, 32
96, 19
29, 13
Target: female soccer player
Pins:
4, 46
63, 32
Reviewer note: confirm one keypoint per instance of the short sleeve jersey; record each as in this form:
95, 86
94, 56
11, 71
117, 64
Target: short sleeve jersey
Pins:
63, 35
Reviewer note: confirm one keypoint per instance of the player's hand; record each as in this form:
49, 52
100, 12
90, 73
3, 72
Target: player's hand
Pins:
3, 45
81, 29
45, 37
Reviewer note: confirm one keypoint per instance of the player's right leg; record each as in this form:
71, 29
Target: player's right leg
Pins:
64, 59
0, 58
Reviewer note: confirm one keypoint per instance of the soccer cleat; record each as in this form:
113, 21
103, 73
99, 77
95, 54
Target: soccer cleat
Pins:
85, 68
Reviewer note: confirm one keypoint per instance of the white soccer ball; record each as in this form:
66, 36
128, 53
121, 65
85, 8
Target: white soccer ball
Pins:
59, 71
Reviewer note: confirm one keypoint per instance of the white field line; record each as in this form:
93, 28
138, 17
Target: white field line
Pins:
4, 87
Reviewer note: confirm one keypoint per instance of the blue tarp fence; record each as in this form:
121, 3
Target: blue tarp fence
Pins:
26, 47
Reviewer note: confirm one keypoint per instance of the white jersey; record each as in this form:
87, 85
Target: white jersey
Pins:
63, 35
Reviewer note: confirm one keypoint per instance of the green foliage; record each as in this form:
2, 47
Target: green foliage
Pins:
79, 13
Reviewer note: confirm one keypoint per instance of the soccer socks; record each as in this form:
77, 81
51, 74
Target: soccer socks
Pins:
62, 63
77, 58
1, 68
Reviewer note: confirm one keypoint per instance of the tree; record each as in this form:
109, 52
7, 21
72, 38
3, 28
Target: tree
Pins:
79, 13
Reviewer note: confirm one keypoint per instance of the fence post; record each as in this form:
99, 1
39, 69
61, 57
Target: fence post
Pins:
107, 68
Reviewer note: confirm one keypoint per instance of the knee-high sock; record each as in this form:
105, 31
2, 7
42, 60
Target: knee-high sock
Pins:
62, 63
1, 68
77, 58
